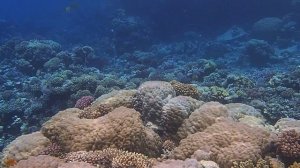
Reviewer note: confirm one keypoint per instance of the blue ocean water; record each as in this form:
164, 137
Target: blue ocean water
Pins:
62, 54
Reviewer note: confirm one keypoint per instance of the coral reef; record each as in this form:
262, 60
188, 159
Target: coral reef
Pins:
121, 128
150, 98
23, 147
201, 118
110, 158
222, 139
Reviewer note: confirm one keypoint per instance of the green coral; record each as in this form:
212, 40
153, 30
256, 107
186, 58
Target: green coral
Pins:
218, 93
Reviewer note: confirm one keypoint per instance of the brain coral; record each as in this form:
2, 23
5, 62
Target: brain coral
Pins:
175, 111
222, 139
23, 147
201, 118
122, 128
151, 96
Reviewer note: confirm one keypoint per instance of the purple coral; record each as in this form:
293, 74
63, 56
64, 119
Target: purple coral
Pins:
84, 101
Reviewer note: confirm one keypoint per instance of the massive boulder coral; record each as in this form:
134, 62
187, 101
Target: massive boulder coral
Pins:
106, 103
41, 161
151, 96
175, 111
221, 140
23, 147
122, 128
201, 118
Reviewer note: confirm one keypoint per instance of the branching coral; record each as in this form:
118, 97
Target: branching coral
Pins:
111, 158
288, 144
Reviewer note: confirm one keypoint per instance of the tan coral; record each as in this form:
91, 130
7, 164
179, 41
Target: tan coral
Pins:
151, 96
41, 161
116, 99
185, 89
175, 111
111, 157
23, 147
76, 165
122, 128
201, 118
286, 124
225, 141
95, 112
295, 165
171, 163
106, 103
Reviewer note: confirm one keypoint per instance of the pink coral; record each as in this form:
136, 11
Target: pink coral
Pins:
84, 101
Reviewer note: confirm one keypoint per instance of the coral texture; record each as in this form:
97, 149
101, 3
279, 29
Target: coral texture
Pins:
190, 163
288, 144
185, 89
84, 102
110, 158
23, 147
201, 118
122, 128
151, 96
175, 111
41, 161
222, 139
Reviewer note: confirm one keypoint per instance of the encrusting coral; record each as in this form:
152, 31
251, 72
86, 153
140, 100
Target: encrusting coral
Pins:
185, 89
